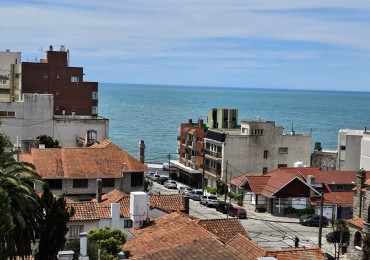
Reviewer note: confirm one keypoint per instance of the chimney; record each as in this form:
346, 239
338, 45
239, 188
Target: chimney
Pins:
200, 123
83, 246
51, 48
142, 151
311, 181
185, 203
358, 199
73, 114
190, 121
115, 214
99, 190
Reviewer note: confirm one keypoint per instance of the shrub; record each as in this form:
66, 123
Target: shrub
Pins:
232, 195
261, 210
212, 191
221, 187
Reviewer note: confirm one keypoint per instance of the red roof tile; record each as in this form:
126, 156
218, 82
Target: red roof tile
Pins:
238, 180
342, 198
104, 160
245, 248
357, 222
111, 197
297, 254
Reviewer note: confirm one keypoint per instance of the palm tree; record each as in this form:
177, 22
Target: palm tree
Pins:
16, 180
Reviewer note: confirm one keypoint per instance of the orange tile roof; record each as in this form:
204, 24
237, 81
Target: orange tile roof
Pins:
357, 222
258, 183
84, 210
113, 196
104, 160
167, 203
245, 248
166, 232
297, 254
238, 180
224, 229
342, 198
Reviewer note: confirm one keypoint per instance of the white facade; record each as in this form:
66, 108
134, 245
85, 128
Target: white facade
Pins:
258, 147
349, 149
365, 152
34, 116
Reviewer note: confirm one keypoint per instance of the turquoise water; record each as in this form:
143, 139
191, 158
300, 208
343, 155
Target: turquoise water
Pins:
153, 113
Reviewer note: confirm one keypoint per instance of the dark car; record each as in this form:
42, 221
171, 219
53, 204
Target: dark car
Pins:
238, 212
224, 207
314, 220
162, 179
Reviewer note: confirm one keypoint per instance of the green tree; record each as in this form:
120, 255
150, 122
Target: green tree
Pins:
16, 180
339, 236
4, 143
53, 227
109, 241
6, 221
48, 141
147, 184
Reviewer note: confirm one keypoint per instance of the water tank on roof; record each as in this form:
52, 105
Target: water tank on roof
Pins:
139, 207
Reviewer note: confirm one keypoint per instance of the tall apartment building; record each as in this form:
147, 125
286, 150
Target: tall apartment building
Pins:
349, 149
52, 75
257, 147
10, 71
365, 151
222, 118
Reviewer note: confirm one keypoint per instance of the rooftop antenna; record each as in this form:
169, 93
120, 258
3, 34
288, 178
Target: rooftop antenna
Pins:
41, 51
293, 132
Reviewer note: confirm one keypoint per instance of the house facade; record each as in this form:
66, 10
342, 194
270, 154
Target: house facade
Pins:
74, 171
257, 147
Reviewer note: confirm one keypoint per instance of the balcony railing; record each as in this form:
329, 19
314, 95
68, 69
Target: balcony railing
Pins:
213, 171
214, 154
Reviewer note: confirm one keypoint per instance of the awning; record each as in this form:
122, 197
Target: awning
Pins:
177, 164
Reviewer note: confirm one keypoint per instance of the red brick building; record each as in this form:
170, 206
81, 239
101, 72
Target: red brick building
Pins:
53, 75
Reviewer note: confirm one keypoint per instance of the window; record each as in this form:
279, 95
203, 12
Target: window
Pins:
282, 165
343, 147
17, 76
94, 110
340, 187
107, 183
137, 179
7, 113
80, 183
264, 170
4, 91
265, 154
283, 149
127, 223
74, 232
358, 239
55, 184
94, 95
75, 79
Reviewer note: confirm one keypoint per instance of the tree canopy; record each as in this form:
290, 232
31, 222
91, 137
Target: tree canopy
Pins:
48, 141
110, 241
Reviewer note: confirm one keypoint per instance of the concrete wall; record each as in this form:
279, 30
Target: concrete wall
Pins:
365, 152
34, 117
349, 157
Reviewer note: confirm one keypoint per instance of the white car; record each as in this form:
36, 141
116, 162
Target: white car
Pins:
170, 184
185, 191
196, 194
209, 200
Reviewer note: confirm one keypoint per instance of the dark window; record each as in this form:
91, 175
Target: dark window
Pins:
127, 223
4, 91
80, 183
108, 183
283, 149
343, 147
264, 170
265, 154
137, 179
358, 239
340, 187
55, 184
281, 165
17, 76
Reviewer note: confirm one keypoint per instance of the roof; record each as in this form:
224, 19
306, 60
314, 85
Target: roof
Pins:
239, 180
224, 229
342, 198
104, 160
111, 197
242, 246
216, 136
91, 210
357, 222
297, 254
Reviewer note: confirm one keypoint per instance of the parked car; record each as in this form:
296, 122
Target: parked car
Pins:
155, 177
149, 174
314, 220
170, 184
185, 190
162, 179
224, 207
238, 212
209, 200
196, 194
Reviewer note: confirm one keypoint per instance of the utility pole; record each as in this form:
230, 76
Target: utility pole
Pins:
169, 165
321, 213
204, 162
227, 163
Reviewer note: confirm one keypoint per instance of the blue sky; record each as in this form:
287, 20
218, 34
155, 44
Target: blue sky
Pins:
308, 44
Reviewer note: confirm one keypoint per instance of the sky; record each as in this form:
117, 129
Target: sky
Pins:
289, 44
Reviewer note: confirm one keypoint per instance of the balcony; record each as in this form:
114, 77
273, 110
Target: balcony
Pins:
212, 171
217, 155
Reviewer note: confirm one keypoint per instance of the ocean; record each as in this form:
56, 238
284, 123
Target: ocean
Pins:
153, 113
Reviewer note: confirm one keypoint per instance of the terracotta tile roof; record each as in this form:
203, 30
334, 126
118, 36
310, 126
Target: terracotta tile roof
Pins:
165, 233
224, 229
104, 160
239, 180
367, 182
244, 248
278, 181
84, 210
333, 177
258, 183
167, 203
209, 248
357, 222
297, 254
111, 197
342, 198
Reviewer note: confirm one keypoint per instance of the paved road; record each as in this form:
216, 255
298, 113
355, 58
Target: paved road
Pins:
263, 228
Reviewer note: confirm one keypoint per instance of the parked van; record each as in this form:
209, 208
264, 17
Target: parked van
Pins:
196, 194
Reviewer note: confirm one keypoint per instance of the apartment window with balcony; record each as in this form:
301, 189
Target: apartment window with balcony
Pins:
94, 95
283, 149
4, 91
265, 154
94, 110
257, 131
75, 79
17, 75
80, 183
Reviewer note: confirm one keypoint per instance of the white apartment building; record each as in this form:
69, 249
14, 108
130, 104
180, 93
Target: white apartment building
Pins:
365, 151
33, 116
349, 149
257, 147
10, 73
